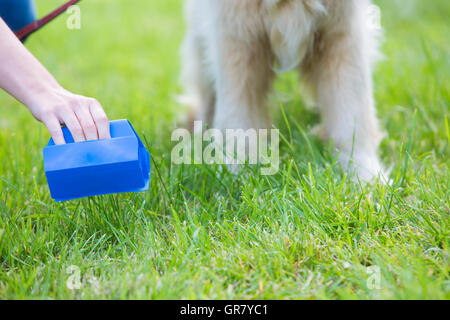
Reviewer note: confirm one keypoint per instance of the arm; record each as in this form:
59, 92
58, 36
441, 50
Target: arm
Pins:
28, 81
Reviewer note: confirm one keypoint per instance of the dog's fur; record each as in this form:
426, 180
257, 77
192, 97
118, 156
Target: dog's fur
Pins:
234, 48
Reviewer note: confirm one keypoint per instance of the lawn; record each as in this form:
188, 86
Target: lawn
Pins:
308, 232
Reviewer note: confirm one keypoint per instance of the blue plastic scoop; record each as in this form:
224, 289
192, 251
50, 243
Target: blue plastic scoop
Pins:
90, 168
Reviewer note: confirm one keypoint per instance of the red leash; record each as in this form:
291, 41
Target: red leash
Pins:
36, 25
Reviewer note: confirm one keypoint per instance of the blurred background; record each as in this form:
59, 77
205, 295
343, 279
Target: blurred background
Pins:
126, 56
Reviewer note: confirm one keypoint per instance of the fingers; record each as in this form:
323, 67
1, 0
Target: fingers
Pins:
54, 127
87, 123
100, 119
71, 121
84, 117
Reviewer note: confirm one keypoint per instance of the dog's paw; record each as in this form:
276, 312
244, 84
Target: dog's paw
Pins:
365, 168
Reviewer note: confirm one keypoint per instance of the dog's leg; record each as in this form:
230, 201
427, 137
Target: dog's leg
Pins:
198, 87
243, 79
340, 71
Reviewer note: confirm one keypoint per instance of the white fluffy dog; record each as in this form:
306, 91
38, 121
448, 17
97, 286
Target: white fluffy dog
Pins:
234, 48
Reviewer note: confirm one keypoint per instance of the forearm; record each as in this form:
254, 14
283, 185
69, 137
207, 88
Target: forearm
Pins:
21, 74
25, 78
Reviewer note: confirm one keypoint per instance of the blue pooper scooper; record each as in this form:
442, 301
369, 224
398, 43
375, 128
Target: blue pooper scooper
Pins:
90, 168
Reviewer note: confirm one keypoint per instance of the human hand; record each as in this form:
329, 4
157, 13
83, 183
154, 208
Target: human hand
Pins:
84, 117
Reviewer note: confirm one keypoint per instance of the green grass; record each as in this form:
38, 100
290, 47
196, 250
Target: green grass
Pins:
307, 232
